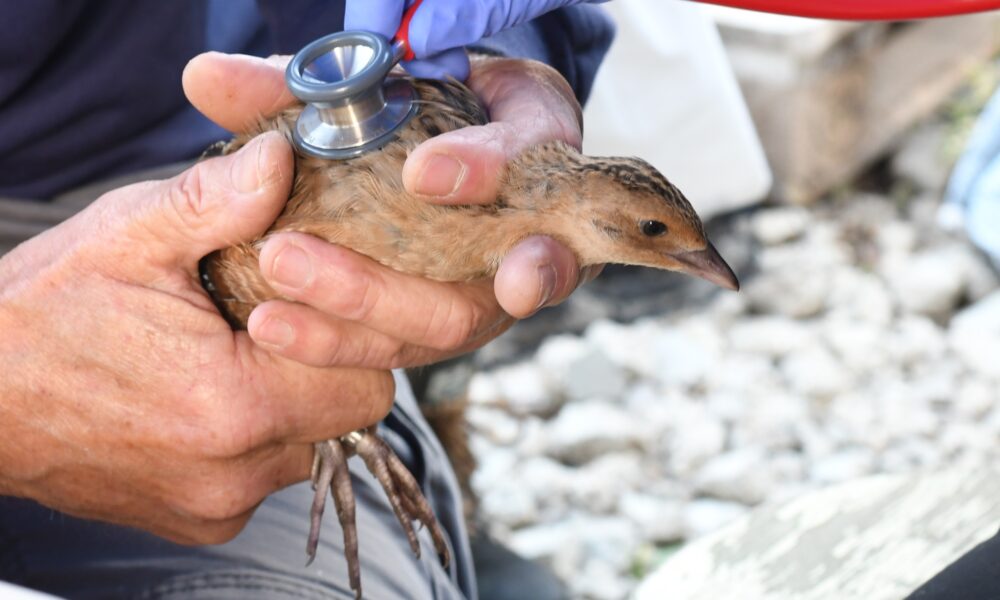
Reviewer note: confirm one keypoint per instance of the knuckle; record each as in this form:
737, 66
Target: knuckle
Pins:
359, 298
187, 198
451, 325
218, 499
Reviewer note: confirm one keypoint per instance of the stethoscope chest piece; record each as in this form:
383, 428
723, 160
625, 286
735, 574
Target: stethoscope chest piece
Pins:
352, 107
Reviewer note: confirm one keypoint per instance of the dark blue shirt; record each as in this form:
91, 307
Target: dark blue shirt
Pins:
90, 89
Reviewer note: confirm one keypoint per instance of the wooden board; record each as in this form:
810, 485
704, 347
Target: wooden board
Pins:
830, 98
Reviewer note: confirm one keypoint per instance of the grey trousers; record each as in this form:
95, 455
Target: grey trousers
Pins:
48, 551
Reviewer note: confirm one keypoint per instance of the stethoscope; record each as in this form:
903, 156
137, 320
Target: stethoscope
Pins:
353, 106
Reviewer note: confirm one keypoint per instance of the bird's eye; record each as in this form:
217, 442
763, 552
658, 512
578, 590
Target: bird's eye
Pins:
653, 228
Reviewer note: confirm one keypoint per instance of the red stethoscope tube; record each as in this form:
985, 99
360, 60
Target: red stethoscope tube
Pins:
864, 10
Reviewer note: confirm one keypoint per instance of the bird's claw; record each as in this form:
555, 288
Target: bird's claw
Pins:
329, 471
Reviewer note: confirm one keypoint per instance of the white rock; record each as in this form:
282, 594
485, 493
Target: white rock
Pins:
915, 339
975, 398
859, 296
657, 520
740, 475
495, 465
484, 389
911, 454
928, 283
854, 418
525, 389
558, 545
772, 335
859, 345
921, 158
584, 430
814, 440
697, 436
597, 580
904, 414
493, 423
797, 293
729, 406
629, 346
744, 374
814, 371
510, 505
681, 358
593, 375
549, 482
981, 278
959, 437
597, 485
726, 308
772, 421
842, 466
779, 225
613, 540
974, 334
534, 437
787, 467
556, 353
705, 515
897, 239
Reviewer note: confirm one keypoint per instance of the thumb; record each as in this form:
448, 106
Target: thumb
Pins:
216, 203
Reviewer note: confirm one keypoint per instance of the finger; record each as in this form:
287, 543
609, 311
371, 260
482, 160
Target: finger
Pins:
235, 90
309, 336
346, 285
299, 403
214, 204
528, 104
380, 16
536, 273
450, 63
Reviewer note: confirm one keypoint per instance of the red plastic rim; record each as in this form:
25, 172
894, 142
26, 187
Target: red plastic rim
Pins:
864, 10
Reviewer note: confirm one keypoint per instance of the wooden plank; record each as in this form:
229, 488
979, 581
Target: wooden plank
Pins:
826, 112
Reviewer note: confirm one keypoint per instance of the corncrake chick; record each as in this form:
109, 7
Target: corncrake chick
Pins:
606, 210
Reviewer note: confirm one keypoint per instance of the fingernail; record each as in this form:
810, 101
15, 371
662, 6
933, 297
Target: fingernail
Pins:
245, 170
441, 176
274, 332
292, 267
546, 283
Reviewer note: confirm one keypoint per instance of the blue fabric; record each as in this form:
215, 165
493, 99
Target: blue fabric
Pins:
91, 89
974, 186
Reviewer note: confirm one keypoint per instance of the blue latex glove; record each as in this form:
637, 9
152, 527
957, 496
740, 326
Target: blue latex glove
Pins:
973, 194
441, 28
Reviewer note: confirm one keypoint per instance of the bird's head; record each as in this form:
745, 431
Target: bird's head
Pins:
638, 217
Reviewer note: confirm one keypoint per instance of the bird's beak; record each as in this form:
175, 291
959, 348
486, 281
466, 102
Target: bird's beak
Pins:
707, 264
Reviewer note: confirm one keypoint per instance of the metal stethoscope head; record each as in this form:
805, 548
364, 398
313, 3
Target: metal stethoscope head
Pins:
352, 106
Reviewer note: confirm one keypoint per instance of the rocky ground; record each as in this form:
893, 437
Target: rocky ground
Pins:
865, 340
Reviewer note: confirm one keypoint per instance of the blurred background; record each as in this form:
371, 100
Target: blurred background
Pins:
637, 423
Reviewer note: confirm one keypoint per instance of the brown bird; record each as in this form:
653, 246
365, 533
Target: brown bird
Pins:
606, 210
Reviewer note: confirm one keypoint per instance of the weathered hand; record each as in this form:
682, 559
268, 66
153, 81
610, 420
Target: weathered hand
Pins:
351, 310
126, 397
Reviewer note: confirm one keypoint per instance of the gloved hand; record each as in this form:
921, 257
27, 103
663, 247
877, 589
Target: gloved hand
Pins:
440, 28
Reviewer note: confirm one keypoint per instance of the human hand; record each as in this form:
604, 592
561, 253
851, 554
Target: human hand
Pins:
126, 397
440, 29
357, 312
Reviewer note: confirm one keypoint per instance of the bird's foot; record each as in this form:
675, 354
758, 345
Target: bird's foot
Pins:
408, 503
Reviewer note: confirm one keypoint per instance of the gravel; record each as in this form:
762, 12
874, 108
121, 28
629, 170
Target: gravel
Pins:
865, 342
